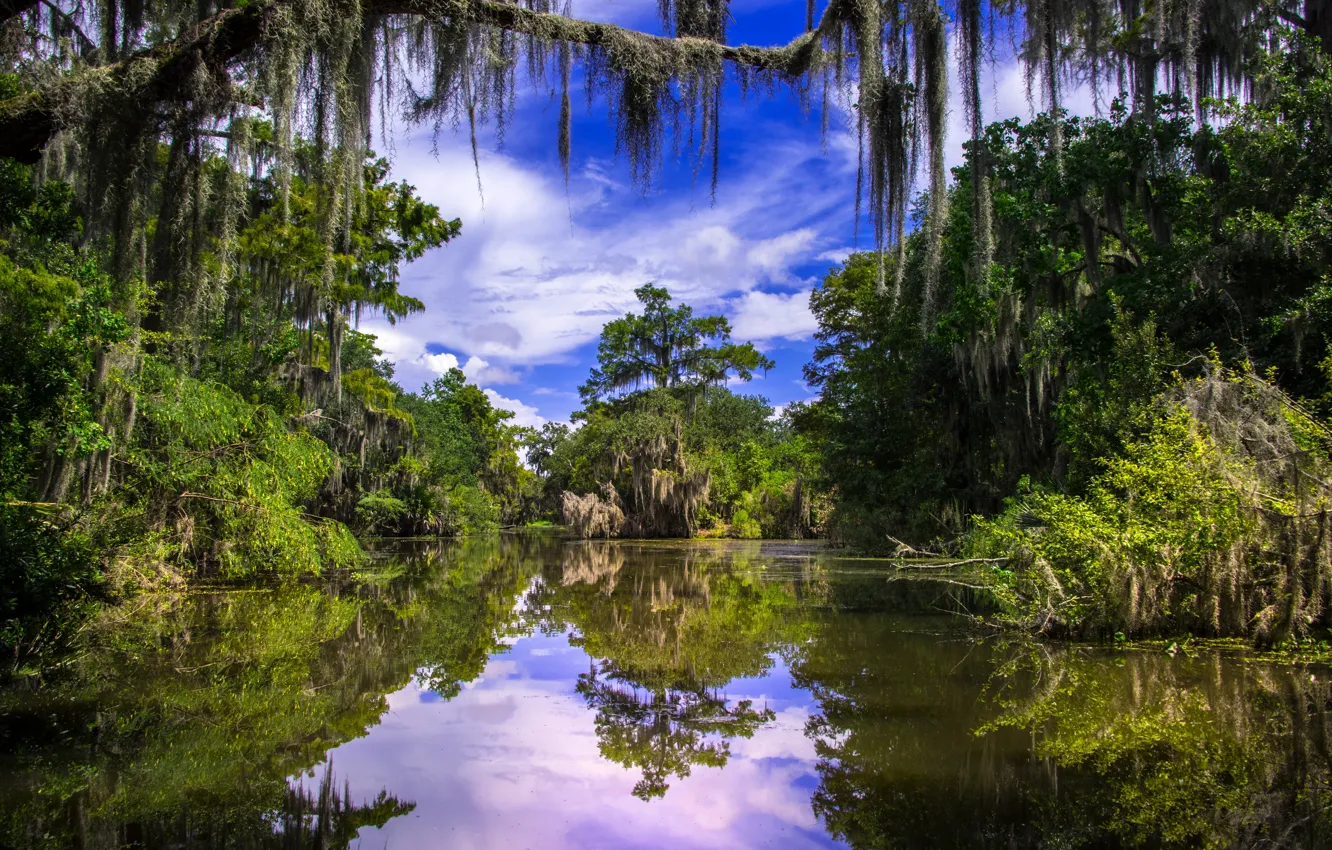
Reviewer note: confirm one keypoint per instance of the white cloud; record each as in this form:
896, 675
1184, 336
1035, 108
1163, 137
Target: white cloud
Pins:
772, 315
438, 363
515, 761
775, 256
536, 272
836, 255
479, 371
523, 414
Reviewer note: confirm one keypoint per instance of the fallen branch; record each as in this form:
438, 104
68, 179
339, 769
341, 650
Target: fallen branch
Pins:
951, 564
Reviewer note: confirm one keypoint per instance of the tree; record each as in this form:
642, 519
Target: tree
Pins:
667, 347
184, 73
283, 256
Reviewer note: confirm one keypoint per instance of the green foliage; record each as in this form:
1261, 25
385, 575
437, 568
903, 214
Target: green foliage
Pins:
53, 327
879, 425
1142, 270
1144, 550
223, 483
753, 463
224, 421
56, 325
464, 476
667, 347
50, 579
685, 455
378, 511
1174, 765
1097, 412
202, 717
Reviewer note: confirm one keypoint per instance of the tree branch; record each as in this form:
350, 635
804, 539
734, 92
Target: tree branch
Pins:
161, 74
1291, 18
89, 46
154, 75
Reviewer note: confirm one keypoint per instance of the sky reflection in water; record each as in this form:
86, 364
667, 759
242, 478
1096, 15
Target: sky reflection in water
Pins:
527, 691
513, 761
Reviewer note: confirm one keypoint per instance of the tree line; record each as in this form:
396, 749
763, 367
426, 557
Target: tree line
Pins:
1097, 364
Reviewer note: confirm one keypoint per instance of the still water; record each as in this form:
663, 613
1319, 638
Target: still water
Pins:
528, 691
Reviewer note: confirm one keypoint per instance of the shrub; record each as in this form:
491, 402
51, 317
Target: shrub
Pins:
1214, 522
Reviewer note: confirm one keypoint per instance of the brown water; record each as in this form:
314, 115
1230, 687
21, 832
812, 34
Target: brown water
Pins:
526, 691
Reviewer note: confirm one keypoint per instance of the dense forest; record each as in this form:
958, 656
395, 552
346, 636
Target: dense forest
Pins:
1093, 366
1124, 412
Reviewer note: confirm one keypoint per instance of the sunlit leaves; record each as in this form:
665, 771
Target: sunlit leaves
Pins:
667, 347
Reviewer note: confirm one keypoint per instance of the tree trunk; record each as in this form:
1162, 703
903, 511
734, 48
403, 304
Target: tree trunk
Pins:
1318, 21
334, 319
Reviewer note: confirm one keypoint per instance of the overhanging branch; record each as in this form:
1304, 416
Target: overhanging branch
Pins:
161, 74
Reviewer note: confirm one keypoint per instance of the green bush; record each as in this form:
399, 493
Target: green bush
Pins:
50, 578
1153, 546
472, 510
379, 512
225, 482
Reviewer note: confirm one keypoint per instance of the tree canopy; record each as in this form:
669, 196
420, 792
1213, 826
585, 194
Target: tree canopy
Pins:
668, 347
94, 87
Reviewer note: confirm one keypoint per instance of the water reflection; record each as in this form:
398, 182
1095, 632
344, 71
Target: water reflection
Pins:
527, 691
665, 643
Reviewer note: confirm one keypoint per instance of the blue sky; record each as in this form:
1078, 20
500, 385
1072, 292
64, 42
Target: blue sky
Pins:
519, 299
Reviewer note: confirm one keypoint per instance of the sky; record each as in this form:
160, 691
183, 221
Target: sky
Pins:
518, 300
514, 761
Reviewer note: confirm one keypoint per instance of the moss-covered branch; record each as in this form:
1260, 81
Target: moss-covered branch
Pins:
160, 74
166, 74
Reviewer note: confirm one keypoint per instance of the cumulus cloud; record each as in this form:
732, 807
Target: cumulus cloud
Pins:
482, 372
438, 363
775, 256
477, 370
523, 414
761, 316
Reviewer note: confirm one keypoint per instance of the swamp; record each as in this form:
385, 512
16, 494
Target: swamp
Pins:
866, 423
536, 690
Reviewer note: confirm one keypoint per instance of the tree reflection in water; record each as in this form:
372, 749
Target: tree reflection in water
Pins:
206, 721
664, 733
184, 720
1187, 751
666, 637
1068, 747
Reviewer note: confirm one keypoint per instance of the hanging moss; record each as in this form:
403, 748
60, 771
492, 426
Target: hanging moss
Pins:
117, 83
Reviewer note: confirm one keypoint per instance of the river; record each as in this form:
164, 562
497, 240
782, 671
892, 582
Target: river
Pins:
527, 691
